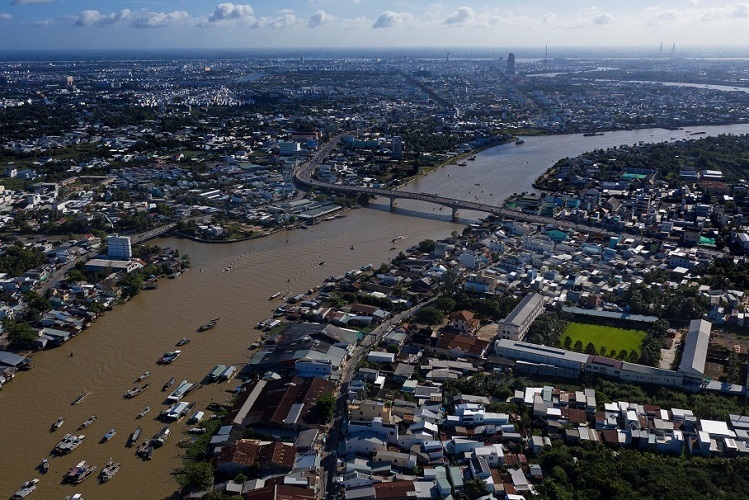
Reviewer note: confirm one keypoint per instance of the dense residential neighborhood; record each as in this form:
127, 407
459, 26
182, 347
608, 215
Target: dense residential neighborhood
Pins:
600, 318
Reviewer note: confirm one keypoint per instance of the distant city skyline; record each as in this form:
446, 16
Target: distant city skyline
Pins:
114, 24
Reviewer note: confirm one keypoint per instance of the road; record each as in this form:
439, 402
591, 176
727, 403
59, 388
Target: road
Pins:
329, 460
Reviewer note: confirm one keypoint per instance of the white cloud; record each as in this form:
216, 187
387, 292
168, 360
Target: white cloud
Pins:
390, 19
550, 18
461, 17
229, 13
161, 19
88, 18
604, 18
4, 16
43, 23
282, 21
27, 2
319, 18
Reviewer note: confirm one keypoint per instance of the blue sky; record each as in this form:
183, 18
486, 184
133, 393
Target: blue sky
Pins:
117, 24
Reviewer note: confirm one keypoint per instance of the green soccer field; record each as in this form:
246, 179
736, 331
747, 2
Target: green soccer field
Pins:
614, 339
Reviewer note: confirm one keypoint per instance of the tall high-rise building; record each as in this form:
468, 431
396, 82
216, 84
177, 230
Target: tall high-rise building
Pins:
118, 247
397, 147
511, 64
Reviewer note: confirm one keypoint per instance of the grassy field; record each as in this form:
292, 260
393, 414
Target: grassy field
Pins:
614, 339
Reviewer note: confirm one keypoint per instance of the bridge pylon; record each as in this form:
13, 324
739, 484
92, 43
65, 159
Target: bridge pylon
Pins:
393, 203
454, 213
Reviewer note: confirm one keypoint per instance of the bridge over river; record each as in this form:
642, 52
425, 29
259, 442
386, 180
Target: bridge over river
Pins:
303, 175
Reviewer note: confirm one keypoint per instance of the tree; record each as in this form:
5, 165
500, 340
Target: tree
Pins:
430, 316
475, 488
623, 355
445, 304
602, 351
567, 342
633, 356
20, 334
426, 246
324, 408
578, 346
590, 349
199, 474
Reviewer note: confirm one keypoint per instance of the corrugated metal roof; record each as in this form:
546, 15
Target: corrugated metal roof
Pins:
695, 348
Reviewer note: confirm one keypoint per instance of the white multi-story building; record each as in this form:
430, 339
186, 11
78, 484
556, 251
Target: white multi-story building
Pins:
118, 247
516, 325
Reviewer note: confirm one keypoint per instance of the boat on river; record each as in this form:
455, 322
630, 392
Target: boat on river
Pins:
168, 357
180, 391
88, 422
141, 451
57, 424
136, 391
80, 398
109, 435
134, 436
68, 443
144, 412
520, 141
44, 466
80, 472
109, 471
183, 341
143, 377
25, 490
167, 385
274, 295
208, 325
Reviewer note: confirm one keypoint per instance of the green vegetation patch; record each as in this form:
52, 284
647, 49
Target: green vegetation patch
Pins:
612, 338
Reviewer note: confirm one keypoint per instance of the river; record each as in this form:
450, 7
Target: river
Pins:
127, 340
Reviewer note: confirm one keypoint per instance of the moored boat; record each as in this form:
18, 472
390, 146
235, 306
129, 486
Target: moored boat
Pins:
208, 325
143, 377
88, 422
26, 489
169, 357
520, 141
183, 341
134, 436
109, 435
136, 390
167, 385
68, 443
277, 294
109, 471
80, 472
44, 466
57, 424
144, 412
141, 451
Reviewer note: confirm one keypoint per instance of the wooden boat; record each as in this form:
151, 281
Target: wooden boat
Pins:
183, 341
136, 390
277, 294
68, 443
109, 471
25, 490
44, 466
141, 451
144, 412
169, 357
80, 398
208, 325
143, 377
109, 435
88, 422
57, 424
167, 385
134, 436
80, 472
